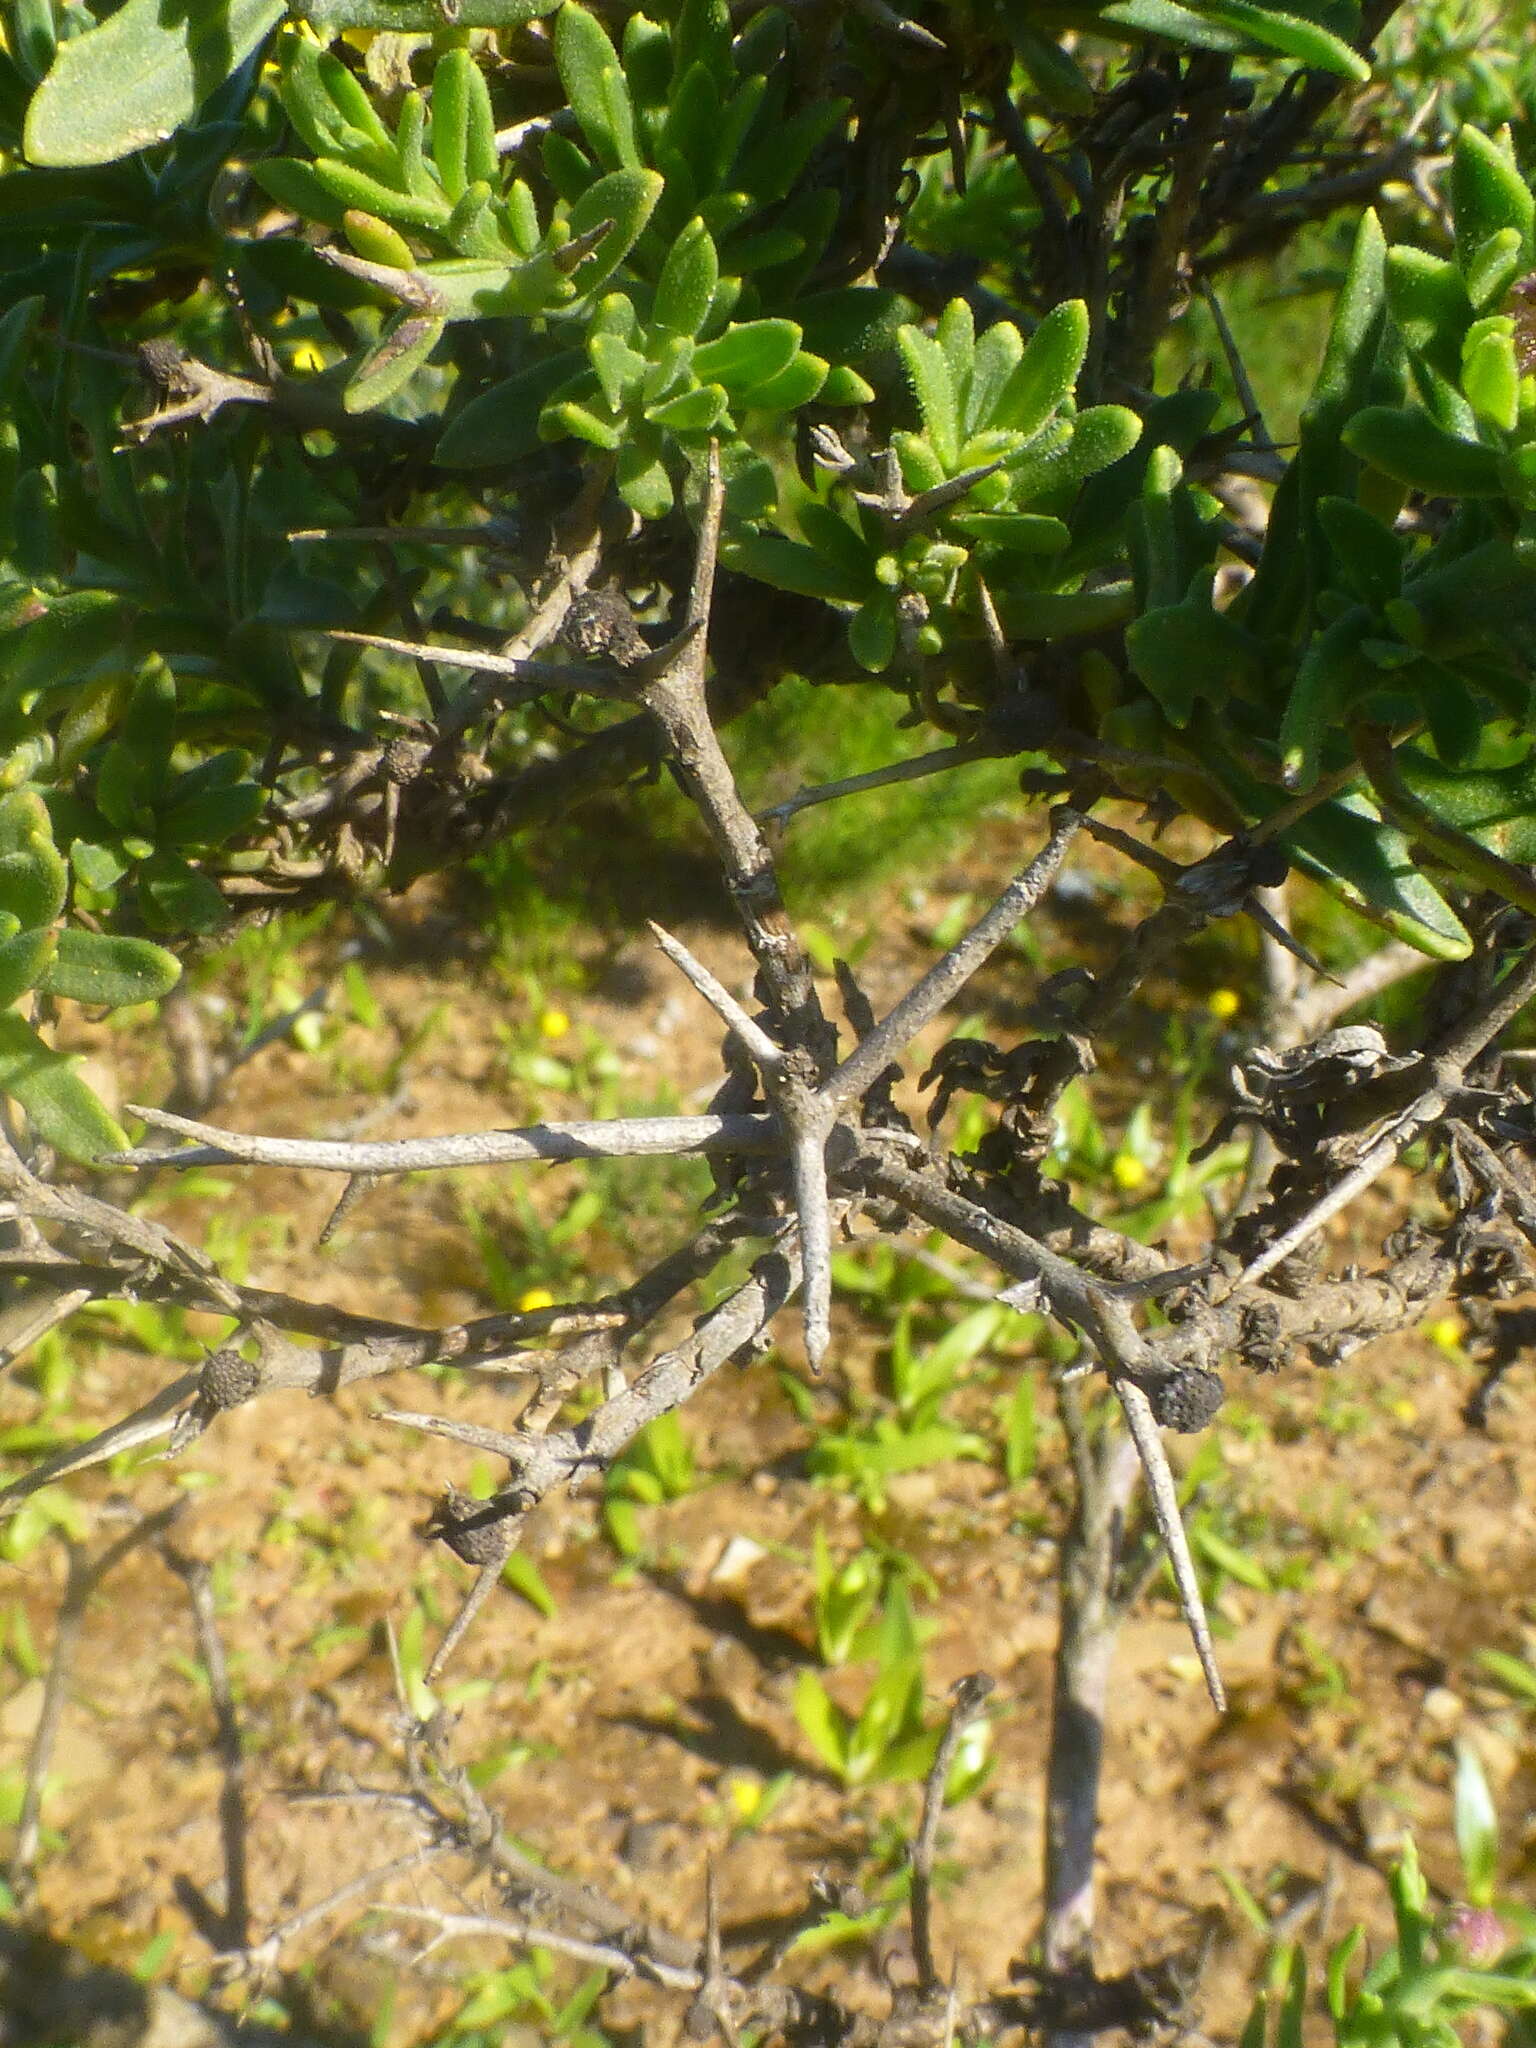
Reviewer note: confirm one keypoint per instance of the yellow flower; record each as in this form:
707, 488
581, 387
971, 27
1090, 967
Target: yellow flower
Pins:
1223, 1003
1446, 1331
553, 1023
535, 1297
1128, 1172
306, 357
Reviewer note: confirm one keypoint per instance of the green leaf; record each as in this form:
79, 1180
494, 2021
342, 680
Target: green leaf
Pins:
687, 282
24, 959
690, 412
394, 359
1237, 1564
1371, 865
1477, 1826
933, 386
822, 1722
523, 1576
872, 632
33, 882
502, 424
78, 629
1046, 373
795, 385
1429, 302
1307, 41
596, 88
1490, 371
747, 355
786, 565
139, 76
175, 897
1488, 197
1367, 555
462, 124
63, 1111
1189, 651
626, 200
96, 967
1408, 445
641, 480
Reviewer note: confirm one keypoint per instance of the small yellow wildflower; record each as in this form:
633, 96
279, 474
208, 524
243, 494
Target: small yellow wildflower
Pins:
1405, 1410
535, 1297
553, 1024
1223, 1003
1446, 1331
1128, 1172
306, 357
746, 1795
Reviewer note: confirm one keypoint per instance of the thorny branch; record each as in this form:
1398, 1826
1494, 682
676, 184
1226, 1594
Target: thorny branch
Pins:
806, 1138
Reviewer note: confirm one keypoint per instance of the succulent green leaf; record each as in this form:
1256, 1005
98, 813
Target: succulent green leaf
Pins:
174, 897
1429, 302
840, 545
1019, 533
619, 367
208, 817
97, 967
747, 355
997, 355
463, 124
1407, 444
1334, 673
78, 630
796, 384
1053, 72
1093, 441
1371, 865
1493, 268
1488, 197
33, 881
933, 386
787, 565
595, 85
687, 282
690, 412
1046, 372
139, 76
62, 1110
1168, 19
24, 959
1188, 651
1490, 371
568, 417
17, 328
641, 479
1308, 42
626, 200
502, 424
349, 186
872, 632
1367, 556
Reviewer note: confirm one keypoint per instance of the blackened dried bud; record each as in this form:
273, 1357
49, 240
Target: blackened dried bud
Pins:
601, 627
478, 1531
1267, 866
1188, 1401
228, 1378
403, 760
163, 364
